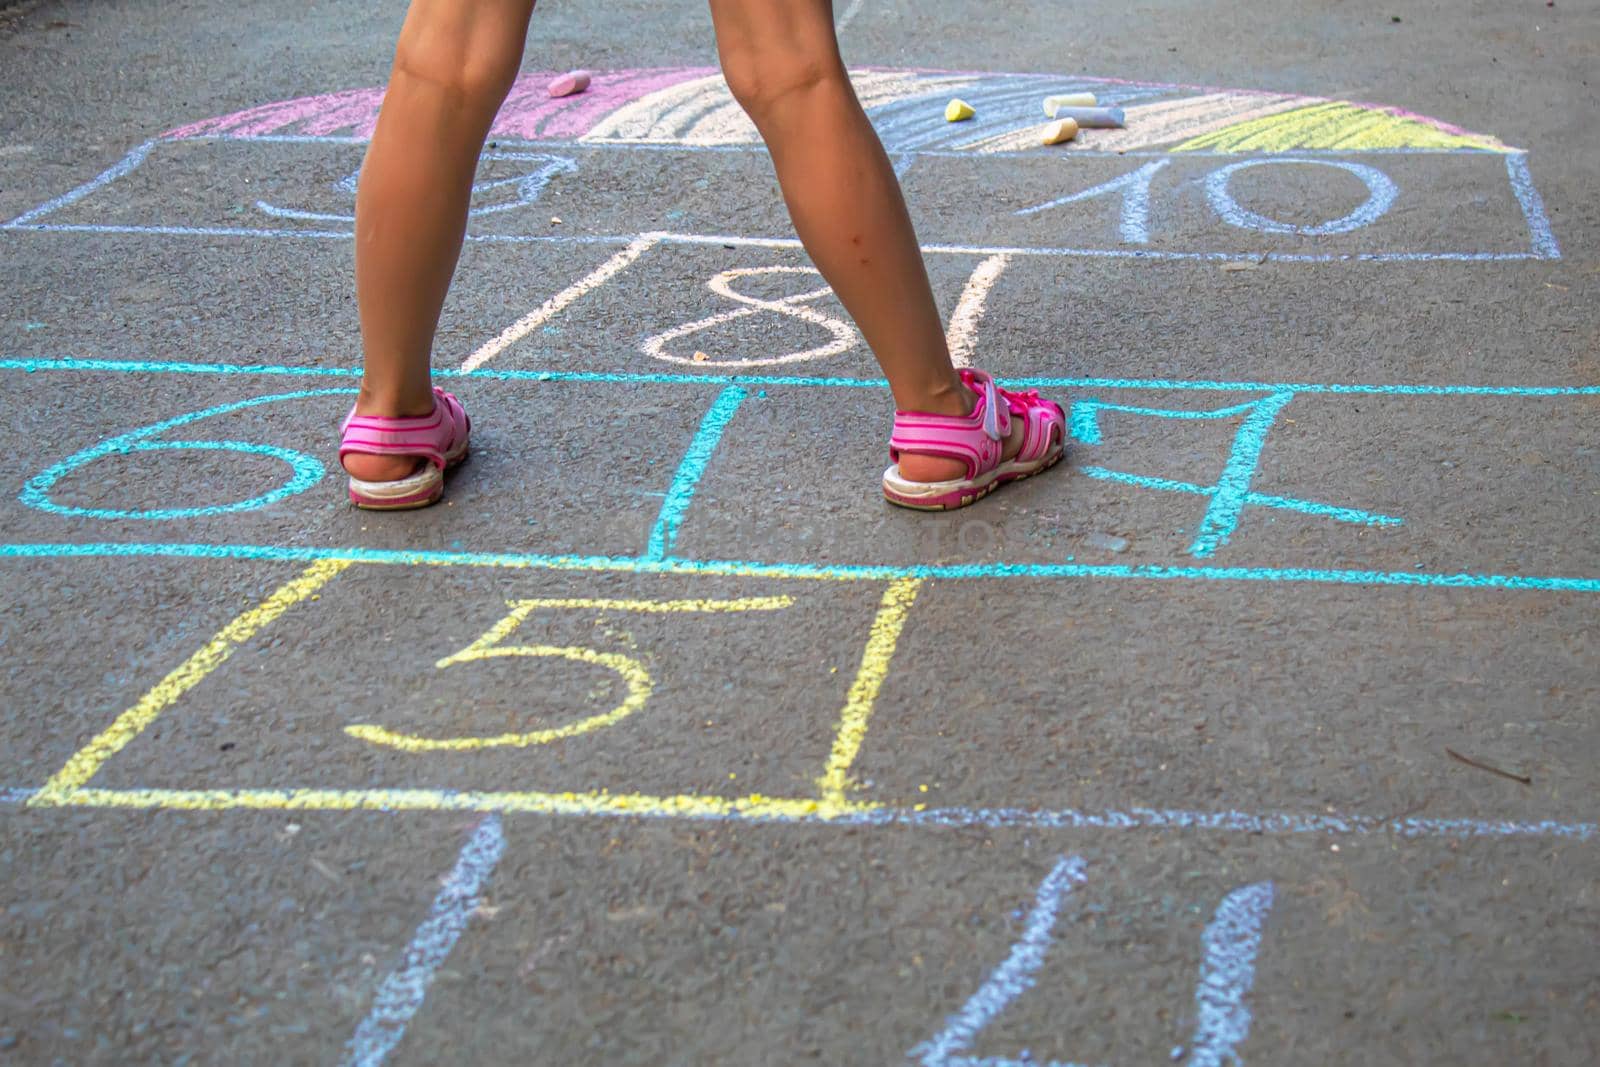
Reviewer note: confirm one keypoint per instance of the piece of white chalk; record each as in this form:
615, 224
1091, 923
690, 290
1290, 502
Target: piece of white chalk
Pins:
573, 81
958, 111
1051, 103
1091, 118
1059, 131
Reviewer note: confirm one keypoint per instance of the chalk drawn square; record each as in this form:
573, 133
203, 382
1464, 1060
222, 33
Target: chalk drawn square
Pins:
56, 690
1311, 205
1141, 477
1319, 711
1118, 979
260, 468
1297, 478
667, 307
604, 682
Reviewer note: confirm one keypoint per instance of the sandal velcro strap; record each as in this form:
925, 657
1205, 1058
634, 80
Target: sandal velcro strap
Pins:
1044, 423
431, 437
977, 439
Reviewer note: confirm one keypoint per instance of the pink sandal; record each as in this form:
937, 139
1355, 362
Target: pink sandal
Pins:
978, 441
439, 438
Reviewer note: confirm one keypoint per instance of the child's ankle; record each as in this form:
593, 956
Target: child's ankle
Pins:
393, 404
947, 398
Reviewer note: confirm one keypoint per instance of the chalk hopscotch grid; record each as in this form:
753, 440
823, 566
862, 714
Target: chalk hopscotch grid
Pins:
69, 786
1228, 499
758, 809
1543, 245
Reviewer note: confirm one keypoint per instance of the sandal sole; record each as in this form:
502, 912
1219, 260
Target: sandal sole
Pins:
977, 494
409, 503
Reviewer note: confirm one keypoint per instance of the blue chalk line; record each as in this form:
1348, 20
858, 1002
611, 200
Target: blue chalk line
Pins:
755, 569
31, 365
1544, 241
1276, 824
1251, 499
126, 165
690, 470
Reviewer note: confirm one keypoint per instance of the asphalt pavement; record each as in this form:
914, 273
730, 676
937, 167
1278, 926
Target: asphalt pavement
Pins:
1263, 730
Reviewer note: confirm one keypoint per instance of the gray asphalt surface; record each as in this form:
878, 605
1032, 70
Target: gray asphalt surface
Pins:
1234, 763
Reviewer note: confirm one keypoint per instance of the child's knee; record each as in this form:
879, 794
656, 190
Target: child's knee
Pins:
464, 65
763, 82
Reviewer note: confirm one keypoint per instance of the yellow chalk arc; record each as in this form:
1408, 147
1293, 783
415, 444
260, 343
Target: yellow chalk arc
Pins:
631, 670
1334, 125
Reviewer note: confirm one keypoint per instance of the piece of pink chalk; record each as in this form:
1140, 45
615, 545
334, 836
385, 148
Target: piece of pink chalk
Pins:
574, 81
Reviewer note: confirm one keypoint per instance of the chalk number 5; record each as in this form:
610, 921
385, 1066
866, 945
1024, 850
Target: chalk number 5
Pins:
491, 646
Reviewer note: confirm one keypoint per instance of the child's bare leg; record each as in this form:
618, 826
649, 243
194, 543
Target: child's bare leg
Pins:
782, 63
452, 69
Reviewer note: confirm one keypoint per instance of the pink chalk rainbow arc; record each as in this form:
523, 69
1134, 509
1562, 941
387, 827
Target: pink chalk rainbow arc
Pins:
691, 107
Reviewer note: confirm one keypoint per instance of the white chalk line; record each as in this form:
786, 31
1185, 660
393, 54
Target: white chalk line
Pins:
126, 165
561, 301
962, 336
1014, 976
1147, 254
1227, 973
404, 990
849, 16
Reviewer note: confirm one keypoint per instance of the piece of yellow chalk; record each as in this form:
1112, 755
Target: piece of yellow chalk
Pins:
958, 111
1059, 131
1052, 104
573, 81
